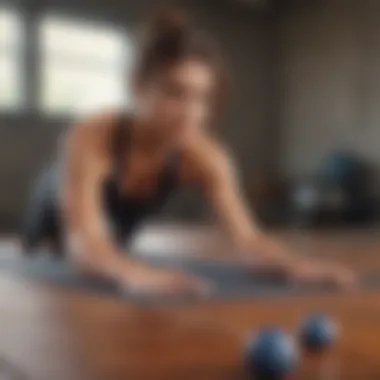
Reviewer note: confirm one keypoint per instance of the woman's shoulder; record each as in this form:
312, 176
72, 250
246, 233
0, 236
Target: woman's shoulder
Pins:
205, 154
94, 127
92, 133
206, 147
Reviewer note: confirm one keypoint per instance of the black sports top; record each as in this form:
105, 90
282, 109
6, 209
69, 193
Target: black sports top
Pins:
125, 212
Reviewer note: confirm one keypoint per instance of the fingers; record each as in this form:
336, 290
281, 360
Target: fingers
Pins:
196, 285
158, 284
327, 274
346, 278
187, 285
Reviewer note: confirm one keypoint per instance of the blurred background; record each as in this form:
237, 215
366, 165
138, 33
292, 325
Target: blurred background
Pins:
303, 119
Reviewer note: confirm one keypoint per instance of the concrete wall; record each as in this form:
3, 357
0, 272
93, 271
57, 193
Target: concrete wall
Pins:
28, 141
329, 83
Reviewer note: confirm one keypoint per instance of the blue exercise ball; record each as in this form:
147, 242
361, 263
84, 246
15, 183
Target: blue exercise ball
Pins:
271, 355
318, 333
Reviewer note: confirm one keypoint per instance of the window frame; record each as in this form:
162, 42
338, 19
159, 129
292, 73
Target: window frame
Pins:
31, 18
81, 18
20, 108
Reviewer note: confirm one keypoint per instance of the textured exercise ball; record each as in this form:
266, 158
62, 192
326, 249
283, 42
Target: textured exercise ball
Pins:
271, 355
318, 333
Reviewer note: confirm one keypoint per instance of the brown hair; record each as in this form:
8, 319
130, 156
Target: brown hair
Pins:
170, 38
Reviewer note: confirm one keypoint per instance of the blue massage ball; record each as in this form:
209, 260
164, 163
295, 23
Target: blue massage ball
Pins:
271, 355
318, 333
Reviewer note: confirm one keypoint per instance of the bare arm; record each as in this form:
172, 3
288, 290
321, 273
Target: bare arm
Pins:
217, 176
86, 168
222, 188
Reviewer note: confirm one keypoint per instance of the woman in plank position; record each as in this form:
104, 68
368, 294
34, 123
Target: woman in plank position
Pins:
119, 169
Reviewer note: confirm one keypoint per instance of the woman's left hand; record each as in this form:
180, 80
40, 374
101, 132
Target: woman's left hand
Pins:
319, 272
274, 258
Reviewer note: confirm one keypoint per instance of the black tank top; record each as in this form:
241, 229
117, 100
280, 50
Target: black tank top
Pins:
127, 212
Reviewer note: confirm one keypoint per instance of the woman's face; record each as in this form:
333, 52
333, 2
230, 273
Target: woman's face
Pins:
178, 101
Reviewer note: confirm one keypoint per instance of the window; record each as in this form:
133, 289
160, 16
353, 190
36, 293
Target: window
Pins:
83, 66
10, 60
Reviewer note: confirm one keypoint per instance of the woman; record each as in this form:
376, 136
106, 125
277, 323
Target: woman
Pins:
118, 169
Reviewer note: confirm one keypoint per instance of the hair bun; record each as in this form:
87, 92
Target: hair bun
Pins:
167, 22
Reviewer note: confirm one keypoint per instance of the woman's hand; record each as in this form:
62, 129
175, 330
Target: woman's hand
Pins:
145, 280
138, 278
323, 272
275, 259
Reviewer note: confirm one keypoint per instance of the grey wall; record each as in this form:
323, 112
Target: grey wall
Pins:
329, 83
28, 141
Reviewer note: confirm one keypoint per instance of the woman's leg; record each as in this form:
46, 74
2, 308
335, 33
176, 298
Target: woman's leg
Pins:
43, 222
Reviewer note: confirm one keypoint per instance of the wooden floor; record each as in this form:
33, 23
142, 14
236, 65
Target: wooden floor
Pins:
49, 333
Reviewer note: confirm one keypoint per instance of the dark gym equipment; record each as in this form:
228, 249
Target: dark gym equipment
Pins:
340, 193
342, 168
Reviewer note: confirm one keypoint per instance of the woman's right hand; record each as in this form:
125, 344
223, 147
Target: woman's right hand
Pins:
149, 281
324, 273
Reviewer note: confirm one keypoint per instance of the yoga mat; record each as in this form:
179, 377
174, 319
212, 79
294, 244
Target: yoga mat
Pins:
231, 280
